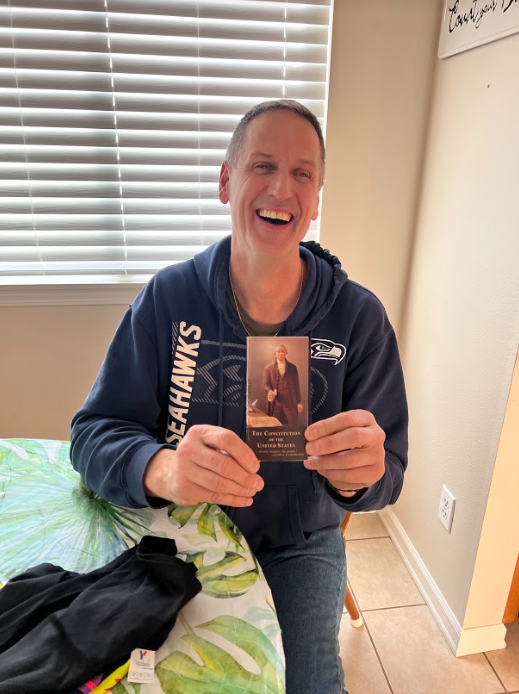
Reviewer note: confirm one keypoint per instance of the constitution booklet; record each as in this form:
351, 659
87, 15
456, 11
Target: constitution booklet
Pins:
277, 397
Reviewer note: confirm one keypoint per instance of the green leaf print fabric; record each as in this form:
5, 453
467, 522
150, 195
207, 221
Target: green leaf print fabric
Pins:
220, 673
226, 640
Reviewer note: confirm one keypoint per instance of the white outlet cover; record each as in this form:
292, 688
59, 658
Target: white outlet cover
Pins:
446, 508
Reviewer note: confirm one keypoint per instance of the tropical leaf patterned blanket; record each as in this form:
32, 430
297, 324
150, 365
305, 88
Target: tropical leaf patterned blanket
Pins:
225, 641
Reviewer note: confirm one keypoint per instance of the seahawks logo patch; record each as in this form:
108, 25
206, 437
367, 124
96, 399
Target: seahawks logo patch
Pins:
326, 349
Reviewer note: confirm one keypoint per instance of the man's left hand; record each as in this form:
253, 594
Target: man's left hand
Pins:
347, 449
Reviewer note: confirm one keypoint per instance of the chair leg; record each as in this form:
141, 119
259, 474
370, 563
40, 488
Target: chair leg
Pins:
346, 520
356, 618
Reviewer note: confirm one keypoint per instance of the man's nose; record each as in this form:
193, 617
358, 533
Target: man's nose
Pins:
281, 185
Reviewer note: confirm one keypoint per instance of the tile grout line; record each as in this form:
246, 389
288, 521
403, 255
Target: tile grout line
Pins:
395, 607
373, 643
495, 672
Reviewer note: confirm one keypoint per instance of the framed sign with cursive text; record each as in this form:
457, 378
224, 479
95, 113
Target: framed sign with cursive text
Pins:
470, 23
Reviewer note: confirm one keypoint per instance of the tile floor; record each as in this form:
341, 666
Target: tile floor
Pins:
400, 649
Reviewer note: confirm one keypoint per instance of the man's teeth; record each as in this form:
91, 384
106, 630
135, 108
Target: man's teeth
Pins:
284, 216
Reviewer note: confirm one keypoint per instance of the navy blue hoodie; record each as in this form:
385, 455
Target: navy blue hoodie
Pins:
179, 358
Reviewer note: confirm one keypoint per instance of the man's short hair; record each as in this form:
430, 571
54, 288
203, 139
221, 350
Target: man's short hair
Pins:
277, 105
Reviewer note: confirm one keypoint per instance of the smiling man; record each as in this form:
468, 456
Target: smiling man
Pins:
165, 420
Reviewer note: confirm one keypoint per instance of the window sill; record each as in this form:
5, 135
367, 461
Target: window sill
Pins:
69, 294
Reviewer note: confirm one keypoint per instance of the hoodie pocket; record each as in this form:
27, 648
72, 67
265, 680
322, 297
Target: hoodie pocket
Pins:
273, 519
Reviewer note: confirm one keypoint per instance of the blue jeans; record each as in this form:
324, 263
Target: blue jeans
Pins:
308, 584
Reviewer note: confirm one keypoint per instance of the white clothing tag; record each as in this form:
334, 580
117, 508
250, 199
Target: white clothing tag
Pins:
142, 666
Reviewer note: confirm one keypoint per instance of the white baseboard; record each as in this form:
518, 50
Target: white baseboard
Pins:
461, 641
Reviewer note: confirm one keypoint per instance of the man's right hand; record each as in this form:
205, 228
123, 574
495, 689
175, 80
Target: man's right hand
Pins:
272, 395
211, 464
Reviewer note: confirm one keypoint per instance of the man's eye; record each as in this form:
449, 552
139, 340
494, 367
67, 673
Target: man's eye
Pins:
263, 166
303, 174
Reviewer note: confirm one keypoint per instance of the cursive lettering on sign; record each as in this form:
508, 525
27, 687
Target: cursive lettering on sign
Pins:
475, 15
507, 4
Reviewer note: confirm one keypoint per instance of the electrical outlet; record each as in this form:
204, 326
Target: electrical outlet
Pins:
446, 509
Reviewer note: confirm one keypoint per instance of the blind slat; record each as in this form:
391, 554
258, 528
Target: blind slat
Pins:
107, 189
174, 103
108, 172
66, 222
136, 64
52, 117
143, 85
224, 48
104, 237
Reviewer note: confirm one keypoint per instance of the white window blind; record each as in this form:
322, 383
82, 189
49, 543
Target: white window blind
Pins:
114, 120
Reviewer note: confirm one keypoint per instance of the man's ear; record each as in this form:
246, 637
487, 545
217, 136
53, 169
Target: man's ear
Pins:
315, 213
223, 184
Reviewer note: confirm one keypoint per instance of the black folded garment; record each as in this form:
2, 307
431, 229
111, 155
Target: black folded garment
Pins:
59, 628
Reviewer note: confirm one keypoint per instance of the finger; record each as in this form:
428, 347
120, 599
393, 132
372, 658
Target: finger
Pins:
346, 439
223, 468
339, 422
345, 486
222, 498
228, 441
345, 460
360, 477
221, 485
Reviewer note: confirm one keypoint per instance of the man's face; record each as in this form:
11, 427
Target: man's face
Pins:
281, 353
273, 187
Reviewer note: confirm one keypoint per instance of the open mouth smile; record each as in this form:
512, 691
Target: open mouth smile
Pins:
274, 218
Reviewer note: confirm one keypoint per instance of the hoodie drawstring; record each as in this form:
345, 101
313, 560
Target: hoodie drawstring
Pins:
220, 372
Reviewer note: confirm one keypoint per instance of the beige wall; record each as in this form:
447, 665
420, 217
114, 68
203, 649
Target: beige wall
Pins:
49, 358
383, 57
462, 317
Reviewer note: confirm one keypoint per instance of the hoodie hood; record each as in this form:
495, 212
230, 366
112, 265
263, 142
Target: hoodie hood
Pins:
324, 280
